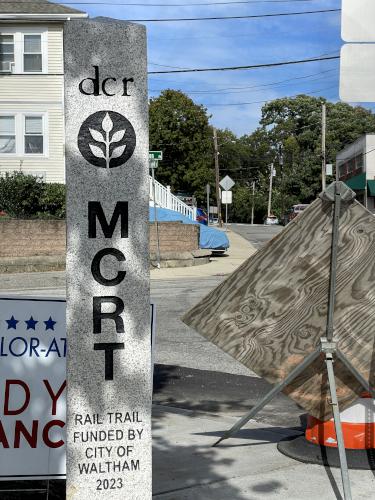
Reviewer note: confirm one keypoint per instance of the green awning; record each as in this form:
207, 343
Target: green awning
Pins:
371, 188
357, 183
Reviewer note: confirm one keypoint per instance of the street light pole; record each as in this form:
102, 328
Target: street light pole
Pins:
217, 177
270, 190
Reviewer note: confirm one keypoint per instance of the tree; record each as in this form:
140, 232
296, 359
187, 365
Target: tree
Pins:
290, 137
180, 128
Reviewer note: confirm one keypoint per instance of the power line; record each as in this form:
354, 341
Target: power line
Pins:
254, 16
253, 66
259, 102
251, 87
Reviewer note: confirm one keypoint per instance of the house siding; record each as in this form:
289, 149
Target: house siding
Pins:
42, 93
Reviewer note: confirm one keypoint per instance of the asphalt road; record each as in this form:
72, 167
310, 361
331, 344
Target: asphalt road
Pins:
258, 235
190, 373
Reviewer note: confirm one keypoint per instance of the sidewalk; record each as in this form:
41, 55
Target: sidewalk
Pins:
239, 250
247, 467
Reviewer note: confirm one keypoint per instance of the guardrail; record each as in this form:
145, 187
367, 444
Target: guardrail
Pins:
165, 199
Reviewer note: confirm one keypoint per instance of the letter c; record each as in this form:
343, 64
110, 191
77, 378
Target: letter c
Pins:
104, 86
95, 267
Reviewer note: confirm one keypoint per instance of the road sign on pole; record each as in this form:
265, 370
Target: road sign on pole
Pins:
227, 183
155, 155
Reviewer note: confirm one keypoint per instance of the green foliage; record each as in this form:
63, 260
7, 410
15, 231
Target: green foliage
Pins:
20, 194
52, 201
180, 129
289, 136
23, 197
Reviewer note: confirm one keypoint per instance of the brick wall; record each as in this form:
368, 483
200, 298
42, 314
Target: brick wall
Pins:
26, 238
175, 237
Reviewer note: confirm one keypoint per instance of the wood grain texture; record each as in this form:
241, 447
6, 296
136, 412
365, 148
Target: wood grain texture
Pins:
272, 311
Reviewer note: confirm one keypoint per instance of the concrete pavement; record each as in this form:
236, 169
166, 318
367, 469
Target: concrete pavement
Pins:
247, 467
240, 249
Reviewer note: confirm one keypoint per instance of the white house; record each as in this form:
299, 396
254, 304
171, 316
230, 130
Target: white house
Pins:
32, 87
356, 167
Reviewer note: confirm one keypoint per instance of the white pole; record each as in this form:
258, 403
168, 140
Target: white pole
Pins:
226, 217
252, 205
155, 216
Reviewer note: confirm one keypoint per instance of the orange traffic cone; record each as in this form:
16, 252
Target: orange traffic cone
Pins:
358, 426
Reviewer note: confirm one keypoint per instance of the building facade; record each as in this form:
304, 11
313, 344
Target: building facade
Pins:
356, 167
32, 87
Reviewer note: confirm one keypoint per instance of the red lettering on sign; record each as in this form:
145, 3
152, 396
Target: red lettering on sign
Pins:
3, 438
25, 387
32, 438
46, 439
54, 396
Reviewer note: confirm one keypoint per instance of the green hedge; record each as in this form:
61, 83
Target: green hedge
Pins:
26, 197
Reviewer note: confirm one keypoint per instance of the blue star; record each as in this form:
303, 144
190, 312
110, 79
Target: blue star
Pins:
50, 324
12, 323
31, 323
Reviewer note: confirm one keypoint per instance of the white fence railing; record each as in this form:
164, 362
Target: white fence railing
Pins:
165, 199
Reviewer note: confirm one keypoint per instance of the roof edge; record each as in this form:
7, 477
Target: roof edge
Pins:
43, 17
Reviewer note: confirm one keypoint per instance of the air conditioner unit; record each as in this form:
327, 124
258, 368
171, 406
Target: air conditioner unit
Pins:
6, 66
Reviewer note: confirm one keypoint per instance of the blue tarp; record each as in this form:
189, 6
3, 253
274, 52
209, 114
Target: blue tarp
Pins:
210, 238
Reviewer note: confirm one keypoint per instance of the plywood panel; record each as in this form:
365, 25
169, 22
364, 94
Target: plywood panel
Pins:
271, 312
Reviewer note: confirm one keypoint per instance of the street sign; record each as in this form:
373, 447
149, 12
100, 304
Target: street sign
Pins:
155, 155
226, 197
357, 73
357, 21
227, 183
357, 68
329, 169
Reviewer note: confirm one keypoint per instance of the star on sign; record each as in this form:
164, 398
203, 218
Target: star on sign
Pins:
31, 323
12, 323
50, 324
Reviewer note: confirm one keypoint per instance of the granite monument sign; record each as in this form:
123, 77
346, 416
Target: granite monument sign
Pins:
108, 308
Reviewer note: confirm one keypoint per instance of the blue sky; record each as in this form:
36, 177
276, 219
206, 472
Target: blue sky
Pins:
217, 43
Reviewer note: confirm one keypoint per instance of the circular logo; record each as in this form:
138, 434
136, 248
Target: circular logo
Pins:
106, 139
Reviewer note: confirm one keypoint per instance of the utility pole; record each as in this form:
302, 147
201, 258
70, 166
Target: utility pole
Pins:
252, 205
217, 176
208, 203
324, 125
270, 191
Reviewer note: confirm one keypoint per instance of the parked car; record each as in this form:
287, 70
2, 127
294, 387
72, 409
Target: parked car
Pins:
292, 213
202, 216
271, 220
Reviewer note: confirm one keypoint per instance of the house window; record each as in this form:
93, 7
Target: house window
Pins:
7, 134
23, 134
32, 54
34, 135
23, 50
6, 52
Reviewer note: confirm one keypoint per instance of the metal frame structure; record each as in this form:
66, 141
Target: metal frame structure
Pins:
336, 193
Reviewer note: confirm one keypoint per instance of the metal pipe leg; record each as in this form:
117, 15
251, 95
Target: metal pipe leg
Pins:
355, 373
278, 388
338, 428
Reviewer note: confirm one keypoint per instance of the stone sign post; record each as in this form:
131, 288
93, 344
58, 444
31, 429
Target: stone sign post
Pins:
108, 306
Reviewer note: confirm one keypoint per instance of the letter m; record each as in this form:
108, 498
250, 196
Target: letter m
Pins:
96, 213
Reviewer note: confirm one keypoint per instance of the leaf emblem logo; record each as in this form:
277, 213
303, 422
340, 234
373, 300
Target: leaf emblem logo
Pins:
107, 126
106, 139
